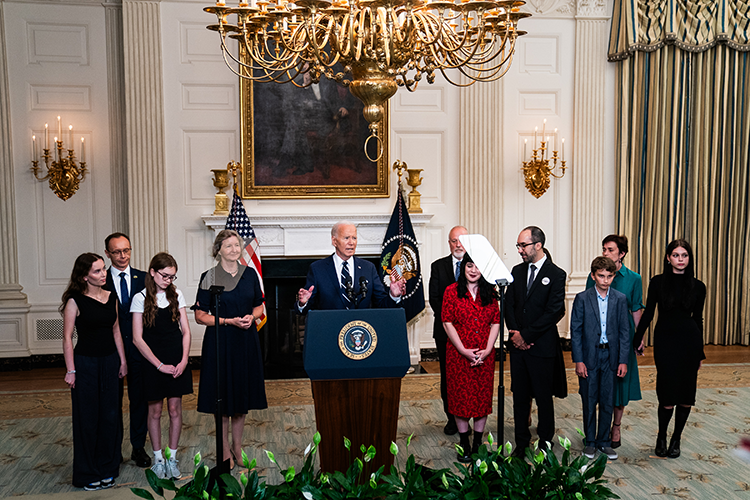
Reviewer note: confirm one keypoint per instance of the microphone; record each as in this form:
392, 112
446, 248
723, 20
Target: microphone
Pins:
349, 287
362, 289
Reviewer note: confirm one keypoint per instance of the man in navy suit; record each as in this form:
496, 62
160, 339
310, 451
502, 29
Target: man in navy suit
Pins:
600, 337
330, 280
533, 304
443, 273
126, 282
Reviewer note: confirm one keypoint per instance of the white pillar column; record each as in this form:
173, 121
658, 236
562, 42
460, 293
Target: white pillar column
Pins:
116, 101
481, 160
144, 127
13, 304
589, 203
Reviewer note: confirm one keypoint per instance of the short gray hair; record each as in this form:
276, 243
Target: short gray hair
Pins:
337, 226
224, 235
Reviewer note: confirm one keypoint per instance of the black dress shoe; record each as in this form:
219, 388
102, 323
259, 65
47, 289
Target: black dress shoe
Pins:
661, 447
450, 428
141, 458
674, 448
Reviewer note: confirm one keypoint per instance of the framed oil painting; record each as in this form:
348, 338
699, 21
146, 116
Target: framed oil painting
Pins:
309, 143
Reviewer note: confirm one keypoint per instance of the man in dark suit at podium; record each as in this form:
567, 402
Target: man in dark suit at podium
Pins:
126, 282
444, 272
533, 304
343, 281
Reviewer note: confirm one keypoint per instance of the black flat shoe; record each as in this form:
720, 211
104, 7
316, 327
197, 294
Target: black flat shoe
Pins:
674, 448
141, 458
618, 443
661, 447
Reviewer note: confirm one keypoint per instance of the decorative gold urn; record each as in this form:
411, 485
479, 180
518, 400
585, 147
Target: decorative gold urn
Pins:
415, 197
221, 182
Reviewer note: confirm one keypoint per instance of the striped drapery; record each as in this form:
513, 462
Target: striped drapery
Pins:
683, 145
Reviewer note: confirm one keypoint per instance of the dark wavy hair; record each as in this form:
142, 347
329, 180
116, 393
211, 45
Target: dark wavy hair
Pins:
618, 239
674, 296
160, 261
487, 292
77, 284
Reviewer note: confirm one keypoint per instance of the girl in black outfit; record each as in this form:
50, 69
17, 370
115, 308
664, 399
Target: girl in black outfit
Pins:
678, 340
93, 368
161, 332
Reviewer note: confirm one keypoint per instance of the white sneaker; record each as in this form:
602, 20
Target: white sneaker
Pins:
172, 470
159, 469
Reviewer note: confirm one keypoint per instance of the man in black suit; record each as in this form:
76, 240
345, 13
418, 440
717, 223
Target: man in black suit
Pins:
327, 279
534, 301
444, 272
126, 282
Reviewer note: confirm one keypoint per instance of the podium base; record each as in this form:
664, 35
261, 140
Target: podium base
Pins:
363, 410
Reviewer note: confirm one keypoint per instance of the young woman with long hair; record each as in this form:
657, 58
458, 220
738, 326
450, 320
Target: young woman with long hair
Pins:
678, 341
94, 366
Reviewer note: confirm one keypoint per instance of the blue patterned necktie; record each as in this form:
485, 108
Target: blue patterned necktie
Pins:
124, 295
458, 270
345, 277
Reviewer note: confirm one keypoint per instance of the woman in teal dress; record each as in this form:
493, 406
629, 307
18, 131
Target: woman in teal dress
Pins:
628, 282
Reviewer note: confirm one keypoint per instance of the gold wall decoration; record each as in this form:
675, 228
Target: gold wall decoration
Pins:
63, 173
541, 167
415, 197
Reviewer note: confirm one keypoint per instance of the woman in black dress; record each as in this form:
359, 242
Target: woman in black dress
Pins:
93, 369
678, 340
241, 367
161, 332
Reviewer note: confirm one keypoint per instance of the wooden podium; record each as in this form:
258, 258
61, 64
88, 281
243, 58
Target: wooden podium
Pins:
355, 360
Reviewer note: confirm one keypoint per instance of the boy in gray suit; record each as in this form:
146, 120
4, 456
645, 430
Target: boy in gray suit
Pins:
599, 331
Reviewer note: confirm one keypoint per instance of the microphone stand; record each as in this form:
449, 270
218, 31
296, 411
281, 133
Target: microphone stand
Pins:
502, 284
222, 466
362, 290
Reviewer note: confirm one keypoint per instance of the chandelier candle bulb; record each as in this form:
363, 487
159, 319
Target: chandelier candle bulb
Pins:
544, 126
59, 129
46, 136
535, 129
70, 137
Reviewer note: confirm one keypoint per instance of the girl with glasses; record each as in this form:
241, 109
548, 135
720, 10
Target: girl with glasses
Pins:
161, 333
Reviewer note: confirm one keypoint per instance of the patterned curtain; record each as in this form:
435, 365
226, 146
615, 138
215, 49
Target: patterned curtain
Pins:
683, 136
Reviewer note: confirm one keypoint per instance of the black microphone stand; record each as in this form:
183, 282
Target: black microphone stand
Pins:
502, 284
362, 290
222, 466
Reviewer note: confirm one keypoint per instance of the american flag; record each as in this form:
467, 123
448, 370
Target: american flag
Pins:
239, 221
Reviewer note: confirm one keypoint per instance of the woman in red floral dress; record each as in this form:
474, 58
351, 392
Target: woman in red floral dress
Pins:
471, 318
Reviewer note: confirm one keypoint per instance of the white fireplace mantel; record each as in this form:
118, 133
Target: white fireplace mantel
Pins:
310, 235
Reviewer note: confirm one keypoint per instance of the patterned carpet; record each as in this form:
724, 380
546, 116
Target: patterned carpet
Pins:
35, 437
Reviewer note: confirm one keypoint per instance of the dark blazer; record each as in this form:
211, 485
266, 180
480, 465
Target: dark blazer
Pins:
442, 274
585, 330
537, 314
327, 292
137, 283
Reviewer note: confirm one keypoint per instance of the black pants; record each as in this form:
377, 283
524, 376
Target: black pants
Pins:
138, 404
531, 375
97, 437
441, 344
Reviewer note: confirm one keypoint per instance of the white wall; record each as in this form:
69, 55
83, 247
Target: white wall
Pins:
57, 65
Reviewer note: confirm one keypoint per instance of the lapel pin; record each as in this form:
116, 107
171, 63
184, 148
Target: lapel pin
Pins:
545, 281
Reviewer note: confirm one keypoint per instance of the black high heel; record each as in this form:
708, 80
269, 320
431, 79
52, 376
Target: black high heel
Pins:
618, 443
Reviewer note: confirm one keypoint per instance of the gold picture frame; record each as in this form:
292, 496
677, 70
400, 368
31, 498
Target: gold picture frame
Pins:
296, 157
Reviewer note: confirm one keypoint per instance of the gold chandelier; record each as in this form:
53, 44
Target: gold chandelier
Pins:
379, 45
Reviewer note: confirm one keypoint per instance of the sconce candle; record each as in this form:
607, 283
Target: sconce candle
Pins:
83, 151
70, 130
46, 136
59, 129
33, 147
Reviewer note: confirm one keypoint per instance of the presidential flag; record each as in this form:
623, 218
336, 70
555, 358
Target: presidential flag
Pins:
250, 257
399, 259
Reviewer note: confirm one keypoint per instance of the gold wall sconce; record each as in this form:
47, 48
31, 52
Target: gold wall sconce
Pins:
540, 167
221, 182
64, 175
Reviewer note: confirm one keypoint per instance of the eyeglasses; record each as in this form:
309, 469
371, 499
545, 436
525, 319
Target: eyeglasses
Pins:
120, 253
522, 246
168, 277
